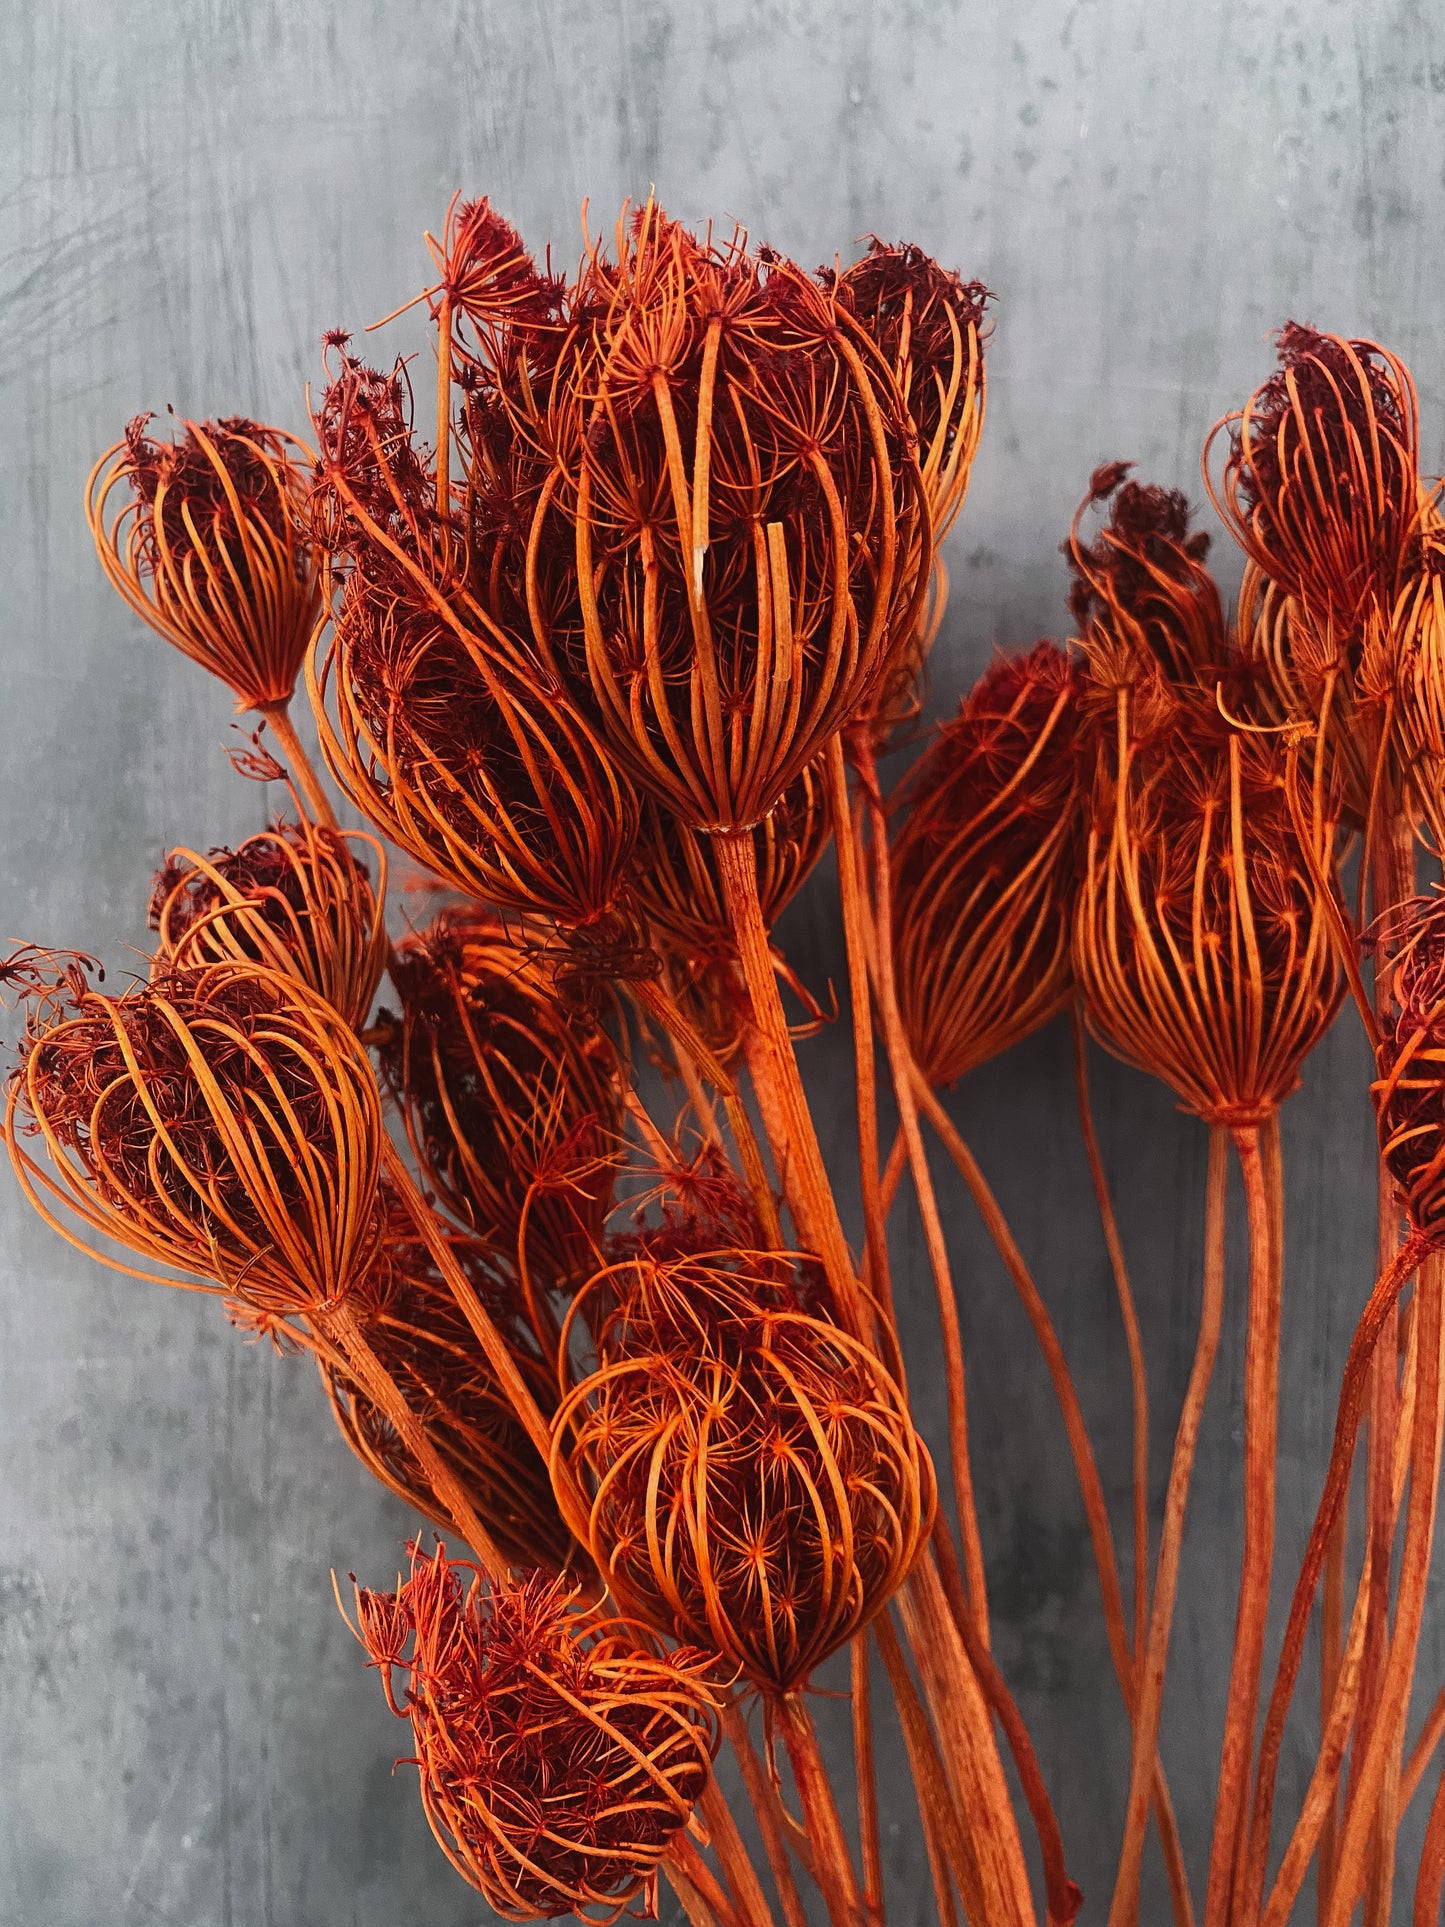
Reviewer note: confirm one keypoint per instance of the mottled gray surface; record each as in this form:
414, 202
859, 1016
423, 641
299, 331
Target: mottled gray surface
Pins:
190, 191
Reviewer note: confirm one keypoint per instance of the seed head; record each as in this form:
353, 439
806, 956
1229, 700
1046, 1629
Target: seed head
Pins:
511, 1096
221, 1120
1409, 1093
758, 1488
209, 547
986, 866
557, 1755
412, 1323
296, 898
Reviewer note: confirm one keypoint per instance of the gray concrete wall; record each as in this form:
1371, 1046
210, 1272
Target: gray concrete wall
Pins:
190, 191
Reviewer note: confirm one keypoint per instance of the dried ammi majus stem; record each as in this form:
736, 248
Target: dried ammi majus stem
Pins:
426, 1345
985, 866
757, 1484
209, 548
295, 898
558, 1757
512, 1098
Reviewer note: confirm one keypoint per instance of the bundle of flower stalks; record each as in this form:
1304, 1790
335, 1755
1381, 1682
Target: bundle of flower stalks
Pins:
608, 643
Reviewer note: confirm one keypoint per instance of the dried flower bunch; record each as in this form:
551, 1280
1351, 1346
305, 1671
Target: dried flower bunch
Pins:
613, 656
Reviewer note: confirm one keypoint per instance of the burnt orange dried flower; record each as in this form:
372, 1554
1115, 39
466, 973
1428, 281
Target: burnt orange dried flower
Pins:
209, 548
927, 324
986, 865
1202, 942
1418, 648
735, 469
1321, 487
1321, 482
758, 1487
1142, 596
423, 1341
512, 1098
1410, 1092
295, 898
450, 733
557, 1757
221, 1120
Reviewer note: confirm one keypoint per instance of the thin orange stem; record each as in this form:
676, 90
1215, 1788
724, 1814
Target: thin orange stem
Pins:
1124, 1907
340, 1327
1332, 1614
1062, 1896
444, 405
696, 1886
833, 1863
975, 1776
738, 1871
1430, 1880
1423, 1750
278, 717
738, 872
1138, 1375
946, 1836
767, 1809
1227, 1871
1362, 1807
904, 1089
1354, 1390
875, 1239
866, 1775
1096, 1511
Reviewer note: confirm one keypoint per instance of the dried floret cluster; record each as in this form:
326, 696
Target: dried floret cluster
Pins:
612, 651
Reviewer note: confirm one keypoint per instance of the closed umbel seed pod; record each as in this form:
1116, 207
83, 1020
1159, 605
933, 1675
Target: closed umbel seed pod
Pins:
1409, 1093
927, 326
1321, 487
1142, 596
221, 1119
295, 898
1202, 943
210, 548
423, 1341
557, 1756
511, 1097
449, 732
750, 533
985, 867
758, 1487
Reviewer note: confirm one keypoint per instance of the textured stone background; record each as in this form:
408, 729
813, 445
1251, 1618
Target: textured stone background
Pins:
190, 191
